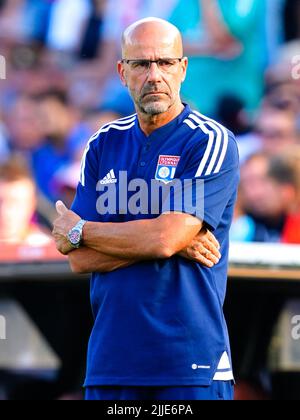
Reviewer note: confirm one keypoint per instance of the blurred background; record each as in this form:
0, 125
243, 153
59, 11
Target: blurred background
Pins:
58, 86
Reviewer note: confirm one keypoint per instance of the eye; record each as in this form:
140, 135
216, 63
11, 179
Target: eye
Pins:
140, 64
166, 64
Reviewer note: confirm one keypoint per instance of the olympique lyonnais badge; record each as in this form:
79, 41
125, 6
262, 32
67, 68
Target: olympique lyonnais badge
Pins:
166, 168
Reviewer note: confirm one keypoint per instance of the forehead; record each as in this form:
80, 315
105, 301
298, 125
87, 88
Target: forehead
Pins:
276, 119
151, 52
149, 43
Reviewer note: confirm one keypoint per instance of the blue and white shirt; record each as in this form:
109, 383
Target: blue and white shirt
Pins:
160, 322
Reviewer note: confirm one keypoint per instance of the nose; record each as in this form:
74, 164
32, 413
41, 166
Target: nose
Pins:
154, 73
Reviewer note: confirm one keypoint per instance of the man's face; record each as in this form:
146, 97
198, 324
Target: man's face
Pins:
261, 196
277, 131
17, 206
156, 89
54, 118
24, 126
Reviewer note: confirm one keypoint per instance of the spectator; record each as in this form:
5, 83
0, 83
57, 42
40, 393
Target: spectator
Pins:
277, 130
25, 132
269, 194
65, 180
67, 22
226, 42
291, 232
65, 135
18, 202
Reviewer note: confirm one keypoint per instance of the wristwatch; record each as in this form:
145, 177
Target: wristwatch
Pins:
75, 234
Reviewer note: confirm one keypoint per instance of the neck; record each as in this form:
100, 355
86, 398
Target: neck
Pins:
150, 123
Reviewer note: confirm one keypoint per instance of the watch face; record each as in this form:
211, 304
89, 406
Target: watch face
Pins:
75, 237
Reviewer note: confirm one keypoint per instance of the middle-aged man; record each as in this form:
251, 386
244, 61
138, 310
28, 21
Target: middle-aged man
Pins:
159, 330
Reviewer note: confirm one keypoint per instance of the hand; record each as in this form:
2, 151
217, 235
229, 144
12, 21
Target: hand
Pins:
204, 249
62, 225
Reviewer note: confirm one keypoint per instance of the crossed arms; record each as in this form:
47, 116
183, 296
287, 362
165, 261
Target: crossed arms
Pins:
110, 246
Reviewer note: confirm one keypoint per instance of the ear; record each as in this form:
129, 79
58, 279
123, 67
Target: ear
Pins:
121, 72
184, 66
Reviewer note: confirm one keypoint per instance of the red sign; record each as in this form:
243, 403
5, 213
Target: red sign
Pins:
26, 253
169, 161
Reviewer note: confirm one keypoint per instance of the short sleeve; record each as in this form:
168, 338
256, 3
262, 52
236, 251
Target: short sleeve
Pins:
221, 186
210, 180
85, 202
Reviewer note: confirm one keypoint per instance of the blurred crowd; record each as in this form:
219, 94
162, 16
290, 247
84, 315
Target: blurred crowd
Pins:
60, 86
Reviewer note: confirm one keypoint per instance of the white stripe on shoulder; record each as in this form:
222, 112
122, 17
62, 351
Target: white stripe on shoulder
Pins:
127, 118
218, 137
125, 121
214, 146
114, 125
120, 122
225, 140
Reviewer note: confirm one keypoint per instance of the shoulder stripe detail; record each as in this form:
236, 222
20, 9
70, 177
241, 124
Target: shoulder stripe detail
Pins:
206, 156
103, 129
123, 121
127, 118
218, 139
215, 141
225, 140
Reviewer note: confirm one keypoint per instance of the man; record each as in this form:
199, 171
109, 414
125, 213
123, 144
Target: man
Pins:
269, 195
63, 133
159, 331
227, 44
18, 201
277, 130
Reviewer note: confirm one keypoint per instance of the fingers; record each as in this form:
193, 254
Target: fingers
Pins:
213, 239
61, 208
210, 247
200, 258
209, 253
207, 240
207, 248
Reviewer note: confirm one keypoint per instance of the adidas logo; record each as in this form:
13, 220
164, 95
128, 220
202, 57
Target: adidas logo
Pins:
109, 179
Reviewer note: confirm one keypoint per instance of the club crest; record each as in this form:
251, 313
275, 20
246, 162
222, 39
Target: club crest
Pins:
166, 168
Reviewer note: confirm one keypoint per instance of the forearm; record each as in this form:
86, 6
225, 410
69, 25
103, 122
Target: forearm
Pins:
85, 260
142, 239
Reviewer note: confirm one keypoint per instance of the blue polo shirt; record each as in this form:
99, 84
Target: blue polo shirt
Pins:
160, 322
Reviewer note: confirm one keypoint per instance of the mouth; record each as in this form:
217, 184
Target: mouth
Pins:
154, 94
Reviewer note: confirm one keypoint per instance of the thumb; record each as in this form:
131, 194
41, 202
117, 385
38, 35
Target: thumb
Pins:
61, 208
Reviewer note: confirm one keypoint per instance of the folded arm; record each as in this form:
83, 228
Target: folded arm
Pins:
143, 239
204, 249
85, 261
110, 246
